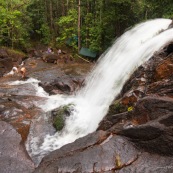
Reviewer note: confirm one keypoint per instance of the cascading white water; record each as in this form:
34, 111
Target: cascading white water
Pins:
107, 79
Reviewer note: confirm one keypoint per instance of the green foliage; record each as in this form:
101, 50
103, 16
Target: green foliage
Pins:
45, 32
101, 20
13, 32
68, 28
15, 53
117, 107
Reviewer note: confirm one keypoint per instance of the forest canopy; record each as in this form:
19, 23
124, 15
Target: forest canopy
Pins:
93, 24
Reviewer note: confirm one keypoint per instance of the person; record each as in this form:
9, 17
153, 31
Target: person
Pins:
23, 72
49, 50
59, 51
13, 71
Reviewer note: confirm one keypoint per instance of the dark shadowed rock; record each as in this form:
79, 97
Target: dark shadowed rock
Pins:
50, 58
13, 157
153, 132
63, 85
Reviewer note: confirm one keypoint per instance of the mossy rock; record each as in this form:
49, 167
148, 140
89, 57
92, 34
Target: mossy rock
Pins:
59, 115
58, 122
116, 108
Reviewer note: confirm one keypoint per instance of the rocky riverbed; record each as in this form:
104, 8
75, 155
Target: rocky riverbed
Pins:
20, 99
135, 136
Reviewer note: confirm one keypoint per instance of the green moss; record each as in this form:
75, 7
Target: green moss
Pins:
117, 107
59, 116
58, 122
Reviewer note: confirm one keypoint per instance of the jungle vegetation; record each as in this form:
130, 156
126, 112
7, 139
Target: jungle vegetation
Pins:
94, 24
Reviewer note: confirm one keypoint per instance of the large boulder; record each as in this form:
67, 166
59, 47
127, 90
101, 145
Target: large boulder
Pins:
63, 85
13, 157
103, 152
97, 152
154, 124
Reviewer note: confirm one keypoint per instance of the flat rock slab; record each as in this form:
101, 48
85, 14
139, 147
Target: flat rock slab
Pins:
13, 157
103, 153
97, 153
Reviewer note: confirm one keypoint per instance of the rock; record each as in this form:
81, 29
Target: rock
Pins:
63, 85
39, 128
9, 58
59, 115
19, 112
155, 74
103, 152
161, 88
50, 58
147, 162
155, 123
13, 157
5, 62
164, 69
97, 152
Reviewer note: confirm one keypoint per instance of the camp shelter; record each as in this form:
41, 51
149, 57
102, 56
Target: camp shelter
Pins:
87, 52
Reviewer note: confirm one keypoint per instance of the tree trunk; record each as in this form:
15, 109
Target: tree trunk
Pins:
79, 26
51, 15
87, 25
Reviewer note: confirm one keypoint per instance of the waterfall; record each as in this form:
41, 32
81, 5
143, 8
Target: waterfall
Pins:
106, 80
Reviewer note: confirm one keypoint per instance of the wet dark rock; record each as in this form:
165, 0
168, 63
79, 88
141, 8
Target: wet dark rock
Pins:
148, 162
150, 122
98, 152
13, 157
19, 112
24, 89
50, 58
39, 128
63, 85
155, 74
114, 120
161, 88
155, 133
103, 152
19, 105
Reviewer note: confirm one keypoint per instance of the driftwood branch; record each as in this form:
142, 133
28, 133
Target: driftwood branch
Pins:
83, 59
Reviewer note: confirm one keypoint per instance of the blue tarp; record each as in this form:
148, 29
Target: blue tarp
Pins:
87, 52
